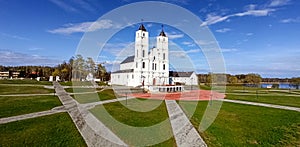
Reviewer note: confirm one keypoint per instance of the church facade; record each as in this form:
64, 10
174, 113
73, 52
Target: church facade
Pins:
146, 67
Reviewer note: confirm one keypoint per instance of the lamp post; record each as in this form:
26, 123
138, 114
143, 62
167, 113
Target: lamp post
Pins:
191, 83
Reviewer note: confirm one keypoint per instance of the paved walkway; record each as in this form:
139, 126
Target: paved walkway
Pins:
184, 132
27, 94
92, 130
262, 104
32, 115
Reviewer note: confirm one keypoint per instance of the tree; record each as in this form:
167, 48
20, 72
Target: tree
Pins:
253, 79
56, 73
90, 65
233, 79
101, 72
78, 71
296, 82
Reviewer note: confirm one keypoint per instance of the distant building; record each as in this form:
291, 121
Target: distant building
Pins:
4, 74
183, 78
150, 68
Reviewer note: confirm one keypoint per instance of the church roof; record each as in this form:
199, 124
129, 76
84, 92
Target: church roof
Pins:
162, 33
128, 59
124, 71
180, 74
142, 27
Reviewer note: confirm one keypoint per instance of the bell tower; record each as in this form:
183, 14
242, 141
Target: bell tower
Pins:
163, 52
141, 55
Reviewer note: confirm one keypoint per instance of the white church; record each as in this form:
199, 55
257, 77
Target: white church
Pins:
150, 68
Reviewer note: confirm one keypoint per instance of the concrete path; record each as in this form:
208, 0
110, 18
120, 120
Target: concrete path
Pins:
92, 130
262, 104
32, 115
27, 94
184, 132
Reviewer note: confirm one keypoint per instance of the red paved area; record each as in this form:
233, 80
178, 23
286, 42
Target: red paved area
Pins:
187, 95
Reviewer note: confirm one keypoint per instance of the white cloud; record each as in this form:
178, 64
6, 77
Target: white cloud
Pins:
85, 27
14, 36
275, 3
291, 20
225, 50
224, 30
193, 51
175, 35
189, 44
249, 34
12, 58
64, 6
212, 18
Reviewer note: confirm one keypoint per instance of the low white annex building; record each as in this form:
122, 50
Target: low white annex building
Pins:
149, 68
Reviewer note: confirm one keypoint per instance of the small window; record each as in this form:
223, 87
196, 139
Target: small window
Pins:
152, 66
155, 67
164, 56
143, 34
154, 58
136, 65
164, 67
143, 64
132, 76
143, 53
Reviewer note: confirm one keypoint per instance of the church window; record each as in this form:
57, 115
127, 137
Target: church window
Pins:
154, 58
143, 64
164, 56
143, 53
143, 34
164, 67
152, 66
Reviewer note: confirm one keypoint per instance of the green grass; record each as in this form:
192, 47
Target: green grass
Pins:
25, 81
53, 130
122, 118
282, 99
106, 94
12, 106
79, 90
245, 125
7, 90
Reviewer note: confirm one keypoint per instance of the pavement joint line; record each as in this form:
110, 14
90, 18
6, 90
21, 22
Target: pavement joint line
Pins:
54, 110
93, 131
262, 104
184, 132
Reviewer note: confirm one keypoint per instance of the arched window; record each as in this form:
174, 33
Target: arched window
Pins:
143, 64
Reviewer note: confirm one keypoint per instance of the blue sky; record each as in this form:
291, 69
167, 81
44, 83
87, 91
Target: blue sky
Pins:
255, 36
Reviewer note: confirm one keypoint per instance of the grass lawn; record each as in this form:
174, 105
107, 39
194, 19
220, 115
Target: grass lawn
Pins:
135, 127
25, 81
7, 89
79, 90
53, 130
282, 99
245, 125
106, 94
11, 106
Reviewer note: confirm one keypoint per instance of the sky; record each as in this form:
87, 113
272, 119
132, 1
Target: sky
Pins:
254, 36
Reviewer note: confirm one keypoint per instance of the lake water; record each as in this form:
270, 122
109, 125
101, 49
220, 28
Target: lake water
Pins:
281, 86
